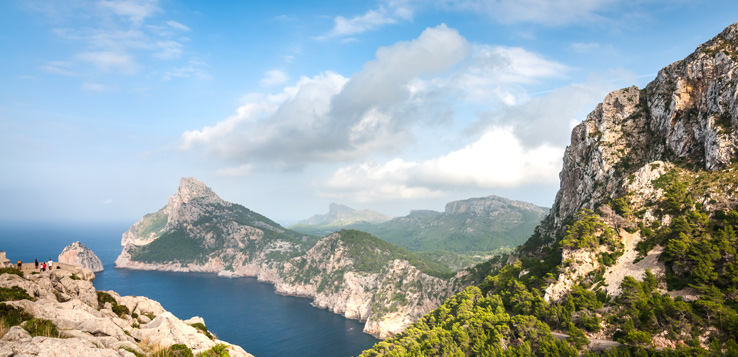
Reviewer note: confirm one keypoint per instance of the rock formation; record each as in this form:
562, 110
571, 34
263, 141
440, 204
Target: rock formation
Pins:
77, 254
92, 323
199, 232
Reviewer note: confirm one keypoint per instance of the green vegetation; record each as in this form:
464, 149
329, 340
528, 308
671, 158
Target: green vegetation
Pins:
11, 271
176, 350
103, 297
13, 293
12, 316
178, 245
201, 327
41, 327
219, 350
507, 315
152, 223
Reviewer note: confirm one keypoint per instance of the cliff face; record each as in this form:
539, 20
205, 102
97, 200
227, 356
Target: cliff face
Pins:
199, 232
89, 322
78, 254
687, 114
640, 246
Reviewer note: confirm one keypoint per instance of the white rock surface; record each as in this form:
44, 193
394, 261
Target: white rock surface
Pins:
78, 254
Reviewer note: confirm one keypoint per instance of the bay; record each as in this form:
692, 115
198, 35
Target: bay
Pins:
242, 311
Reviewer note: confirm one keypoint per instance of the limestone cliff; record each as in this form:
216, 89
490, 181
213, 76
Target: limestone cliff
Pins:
76, 320
647, 163
199, 232
77, 254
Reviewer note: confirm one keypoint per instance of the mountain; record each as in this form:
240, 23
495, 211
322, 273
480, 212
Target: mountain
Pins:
466, 226
340, 215
348, 272
638, 254
59, 313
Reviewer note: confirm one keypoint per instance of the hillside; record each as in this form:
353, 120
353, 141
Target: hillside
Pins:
638, 254
465, 227
348, 272
338, 216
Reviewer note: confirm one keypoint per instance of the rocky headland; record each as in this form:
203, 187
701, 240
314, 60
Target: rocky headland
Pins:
59, 313
347, 272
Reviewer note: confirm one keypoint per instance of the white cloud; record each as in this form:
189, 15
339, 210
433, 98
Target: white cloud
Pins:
193, 68
178, 26
274, 77
110, 61
168, 50
60, 67
371, 20
330, 118
496, 160
135, 10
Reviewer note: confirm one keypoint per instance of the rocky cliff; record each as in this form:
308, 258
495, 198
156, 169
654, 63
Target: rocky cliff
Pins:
79, 255
59, 313
197, 231
639, 248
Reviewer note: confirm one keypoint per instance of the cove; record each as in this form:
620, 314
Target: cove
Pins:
242, 311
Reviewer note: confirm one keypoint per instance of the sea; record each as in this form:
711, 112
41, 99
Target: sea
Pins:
242, 311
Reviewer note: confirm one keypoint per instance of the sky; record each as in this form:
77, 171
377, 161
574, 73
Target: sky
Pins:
287, 106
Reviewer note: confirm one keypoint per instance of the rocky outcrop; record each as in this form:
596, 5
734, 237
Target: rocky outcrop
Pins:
78, 254
689, 114
87, 328
684, 120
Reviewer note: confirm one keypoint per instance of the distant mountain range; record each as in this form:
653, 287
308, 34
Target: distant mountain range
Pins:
466, 226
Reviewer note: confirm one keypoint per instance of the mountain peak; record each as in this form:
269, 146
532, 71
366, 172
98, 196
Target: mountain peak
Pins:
190, 188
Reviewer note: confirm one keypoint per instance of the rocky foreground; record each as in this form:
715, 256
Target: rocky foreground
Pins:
59, 313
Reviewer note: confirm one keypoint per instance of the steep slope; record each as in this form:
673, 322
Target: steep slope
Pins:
640, 246
77, 254
349, 272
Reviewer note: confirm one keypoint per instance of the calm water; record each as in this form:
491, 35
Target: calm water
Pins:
242, 311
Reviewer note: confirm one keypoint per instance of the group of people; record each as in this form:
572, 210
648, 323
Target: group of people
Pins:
43, 266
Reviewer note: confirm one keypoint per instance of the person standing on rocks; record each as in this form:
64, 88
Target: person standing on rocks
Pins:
43, 267
20, 264
35, 261
50, 264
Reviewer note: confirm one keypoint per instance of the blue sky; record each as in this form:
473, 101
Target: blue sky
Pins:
286, 106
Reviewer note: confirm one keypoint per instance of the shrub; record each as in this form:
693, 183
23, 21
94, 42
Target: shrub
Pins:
13, 293
201, 327
177, 350
120, 310
219, 350
11, 271
103, 297
41, 327
12, 316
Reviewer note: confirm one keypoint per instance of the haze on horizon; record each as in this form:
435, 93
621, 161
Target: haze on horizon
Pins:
286, 106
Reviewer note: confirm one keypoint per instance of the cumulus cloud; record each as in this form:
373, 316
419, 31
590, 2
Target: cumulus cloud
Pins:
409, 85
135, 10
496, 160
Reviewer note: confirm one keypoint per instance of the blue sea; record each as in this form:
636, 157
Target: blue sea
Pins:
241, 311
